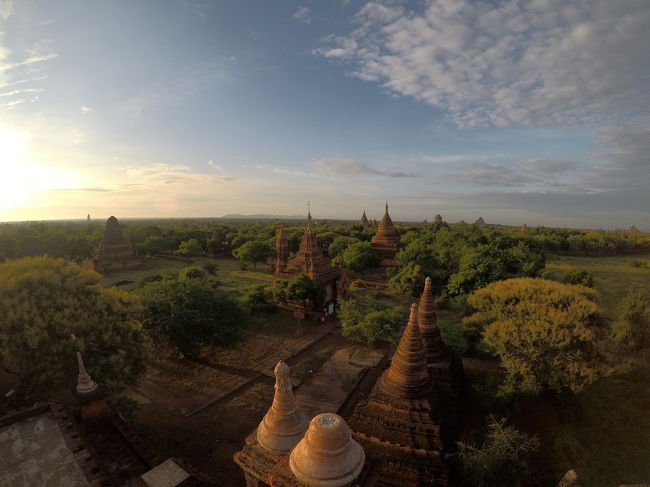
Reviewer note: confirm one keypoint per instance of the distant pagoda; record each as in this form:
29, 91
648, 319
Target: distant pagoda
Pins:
310, 260
114, 253
437, 219
386, 242
399, 426
479, 221
364, 220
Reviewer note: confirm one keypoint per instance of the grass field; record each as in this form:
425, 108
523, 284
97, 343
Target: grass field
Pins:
229, 273
613, 275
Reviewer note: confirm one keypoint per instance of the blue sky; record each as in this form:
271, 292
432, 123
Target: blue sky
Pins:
518, 111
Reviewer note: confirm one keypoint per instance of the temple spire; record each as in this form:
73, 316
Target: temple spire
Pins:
85, 385
284, 423
428, 323
407, 376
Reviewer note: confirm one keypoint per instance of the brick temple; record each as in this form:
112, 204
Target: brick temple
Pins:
114, 253
386, 242
310, 260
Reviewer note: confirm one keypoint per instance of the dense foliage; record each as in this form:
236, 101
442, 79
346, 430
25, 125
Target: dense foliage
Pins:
189, 314
50, 309
547, 334
359, 256
581, 277
632, 327
253, 251
368, 320
301, 290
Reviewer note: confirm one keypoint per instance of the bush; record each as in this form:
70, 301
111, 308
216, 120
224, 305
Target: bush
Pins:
370, 321
632, 328
189, 248
579, 276
210, 268
258, 299
192, 272
502, 460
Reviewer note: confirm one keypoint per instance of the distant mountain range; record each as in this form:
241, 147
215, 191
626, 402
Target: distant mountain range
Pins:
264, 216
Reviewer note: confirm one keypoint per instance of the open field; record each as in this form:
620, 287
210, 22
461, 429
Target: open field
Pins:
613, 275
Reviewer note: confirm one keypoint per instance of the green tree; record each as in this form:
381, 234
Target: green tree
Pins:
189, 314
360, 256
257, 298
189, 248
579, 276
49, 310
253, 251
632, 327
369, 322
305, 289
503, 460
339, 244
548, 335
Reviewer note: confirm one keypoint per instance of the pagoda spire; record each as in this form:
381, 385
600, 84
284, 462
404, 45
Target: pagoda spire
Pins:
428, 323
284, 423
85, 385
281, 249
407, 377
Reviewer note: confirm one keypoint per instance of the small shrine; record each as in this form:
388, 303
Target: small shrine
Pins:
386, 242
114, 253
364, 222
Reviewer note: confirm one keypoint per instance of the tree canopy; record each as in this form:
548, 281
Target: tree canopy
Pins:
547, 334
50, 309
360, 256
189, 314
253, 251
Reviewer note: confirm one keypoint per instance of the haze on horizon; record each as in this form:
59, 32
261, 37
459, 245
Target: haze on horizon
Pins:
517, 111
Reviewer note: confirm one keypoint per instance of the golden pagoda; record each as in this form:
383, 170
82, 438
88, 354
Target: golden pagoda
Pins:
386, 242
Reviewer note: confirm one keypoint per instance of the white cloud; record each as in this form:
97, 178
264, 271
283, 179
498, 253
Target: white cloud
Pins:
507, 62
6, 9
85, 109
161, 94
302, 15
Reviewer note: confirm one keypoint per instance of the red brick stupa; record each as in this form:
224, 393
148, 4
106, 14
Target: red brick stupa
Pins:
385, 242
399, 426
114, 253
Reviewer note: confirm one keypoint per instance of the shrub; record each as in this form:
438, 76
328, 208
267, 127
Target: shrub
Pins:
502, 460
579, 276
632, 328
192, 272
258, 299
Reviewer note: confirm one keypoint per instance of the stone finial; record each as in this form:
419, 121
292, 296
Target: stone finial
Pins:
284, 423
407, 376
85, 385
428, 323
327, 456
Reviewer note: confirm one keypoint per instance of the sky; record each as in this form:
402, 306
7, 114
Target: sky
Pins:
533, 112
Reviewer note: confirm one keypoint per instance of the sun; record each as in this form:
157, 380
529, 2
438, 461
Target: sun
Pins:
15, 174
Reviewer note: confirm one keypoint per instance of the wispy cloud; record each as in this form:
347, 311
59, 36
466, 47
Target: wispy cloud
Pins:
303, 14
163, 94
6, 9
85, 109
344, 166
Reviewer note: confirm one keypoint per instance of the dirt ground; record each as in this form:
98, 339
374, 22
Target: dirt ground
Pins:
207, 440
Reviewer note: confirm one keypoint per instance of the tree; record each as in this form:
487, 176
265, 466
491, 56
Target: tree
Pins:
154, 244
632, 328
369, 320
49, 310
360, 256
189, 314
339, 244
189, 248
303, 288
253, 251
548, 335
579, 276
502, 460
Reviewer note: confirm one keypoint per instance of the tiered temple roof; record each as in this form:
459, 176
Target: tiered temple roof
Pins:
114, 252
399, 425
282, 249
386, 242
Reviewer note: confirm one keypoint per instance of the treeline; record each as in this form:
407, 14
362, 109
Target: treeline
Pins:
77, 240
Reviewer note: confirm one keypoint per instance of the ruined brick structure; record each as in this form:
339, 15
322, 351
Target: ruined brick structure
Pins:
114, 253
385, 242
